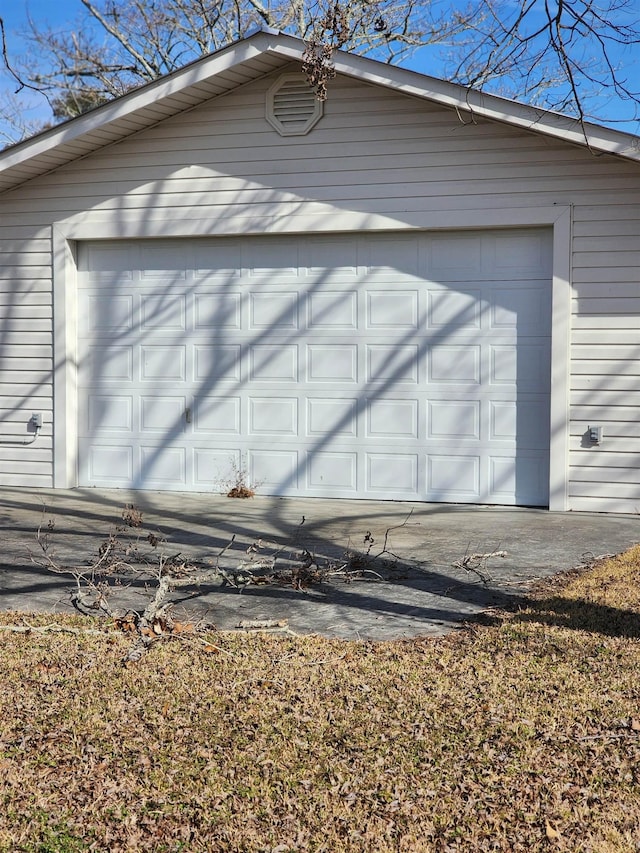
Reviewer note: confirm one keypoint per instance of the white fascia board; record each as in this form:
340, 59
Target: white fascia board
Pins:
474, 102
289, 48
198, 71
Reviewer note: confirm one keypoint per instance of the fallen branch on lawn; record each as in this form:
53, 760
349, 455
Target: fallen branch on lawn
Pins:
156, 619
474, 562
51, 629
130, 561
253, 631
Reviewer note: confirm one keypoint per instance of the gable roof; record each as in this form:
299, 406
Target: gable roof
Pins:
252, 58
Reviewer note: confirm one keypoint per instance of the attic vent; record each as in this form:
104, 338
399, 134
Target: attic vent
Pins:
292, 107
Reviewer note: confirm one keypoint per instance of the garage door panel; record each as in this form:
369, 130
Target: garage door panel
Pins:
523, 309
332, 363
109, 261
457, 419
164, 467
274, 416
331, 416
108, 362
219, 262
518, 422
401, 365
504, 420
163, 313
221, 363
109, 412
392, 474
388, 364
163, 260
392, 309
218, 310
216, 468
277, 363
454, 476
455, 257
389, 254
272, 260
449, 364
506, 366
331, 258
519, 480
274, 310
391, 418
520, 255
217, 416
163, 363
162, 413
274, 469
453, 310
333, 310
329, 472
502, 473
106, 314
108, 465
529, 367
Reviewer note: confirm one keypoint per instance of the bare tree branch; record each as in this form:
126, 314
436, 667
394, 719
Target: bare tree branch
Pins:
561, 54
127, 43
556, 54
119, 36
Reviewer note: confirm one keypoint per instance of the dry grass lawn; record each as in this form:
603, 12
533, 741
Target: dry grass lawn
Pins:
522, 734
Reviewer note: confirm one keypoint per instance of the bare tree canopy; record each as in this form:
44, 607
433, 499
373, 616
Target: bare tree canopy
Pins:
117, 45
568, 55
558, 54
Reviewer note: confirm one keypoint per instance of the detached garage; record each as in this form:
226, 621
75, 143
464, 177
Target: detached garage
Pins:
412, 293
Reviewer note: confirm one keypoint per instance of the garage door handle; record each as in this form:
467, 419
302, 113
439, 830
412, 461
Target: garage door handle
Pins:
187, 415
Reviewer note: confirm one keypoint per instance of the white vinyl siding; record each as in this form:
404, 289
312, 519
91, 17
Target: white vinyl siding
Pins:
26, 384
605, 381
377, 160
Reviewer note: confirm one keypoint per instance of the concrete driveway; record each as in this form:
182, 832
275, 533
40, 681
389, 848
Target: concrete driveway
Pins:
418, 591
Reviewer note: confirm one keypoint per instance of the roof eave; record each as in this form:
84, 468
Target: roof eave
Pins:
102, 119
108, 123
472, 102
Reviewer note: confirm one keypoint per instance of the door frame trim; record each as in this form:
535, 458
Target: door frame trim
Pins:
66, 235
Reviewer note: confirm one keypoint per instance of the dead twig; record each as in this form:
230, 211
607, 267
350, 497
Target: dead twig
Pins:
253, 631
51, 629
475, 562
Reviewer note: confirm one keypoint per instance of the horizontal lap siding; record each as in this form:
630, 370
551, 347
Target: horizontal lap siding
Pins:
605, 382
26, 381
376, 160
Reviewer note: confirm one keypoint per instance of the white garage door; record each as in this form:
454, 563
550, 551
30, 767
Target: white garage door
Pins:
410, 366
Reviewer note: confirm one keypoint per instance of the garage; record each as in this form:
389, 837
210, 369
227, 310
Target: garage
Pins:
413, 292
407, 365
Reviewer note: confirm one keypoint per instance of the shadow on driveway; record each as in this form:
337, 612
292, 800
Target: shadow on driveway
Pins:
423, 593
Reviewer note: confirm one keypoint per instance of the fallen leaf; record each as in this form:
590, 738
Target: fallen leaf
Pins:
183, 628
552, 832
634, 724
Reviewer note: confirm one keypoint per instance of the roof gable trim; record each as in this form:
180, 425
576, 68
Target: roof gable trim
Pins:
472, 102
108, 123
199, 71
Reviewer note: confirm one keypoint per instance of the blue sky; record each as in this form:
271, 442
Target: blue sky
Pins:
15, 15
63, 13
